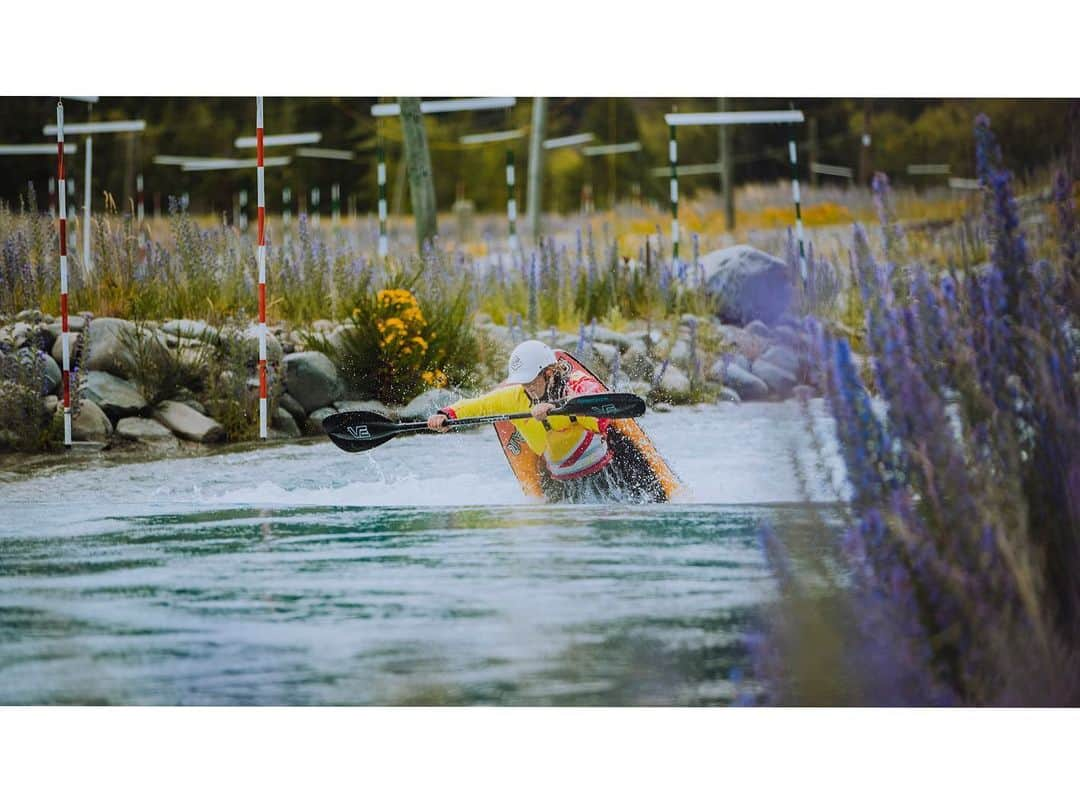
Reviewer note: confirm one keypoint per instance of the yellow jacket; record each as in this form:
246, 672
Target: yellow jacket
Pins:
571, 445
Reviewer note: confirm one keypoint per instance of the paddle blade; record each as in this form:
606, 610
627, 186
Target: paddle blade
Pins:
359, 430
603, 406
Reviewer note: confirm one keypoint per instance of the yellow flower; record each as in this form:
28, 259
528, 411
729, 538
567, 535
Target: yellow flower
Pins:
420, 341
394, 323
434, 378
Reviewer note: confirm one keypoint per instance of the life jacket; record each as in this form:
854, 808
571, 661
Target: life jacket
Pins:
572, 446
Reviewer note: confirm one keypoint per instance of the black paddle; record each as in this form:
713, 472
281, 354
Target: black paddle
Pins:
360, 430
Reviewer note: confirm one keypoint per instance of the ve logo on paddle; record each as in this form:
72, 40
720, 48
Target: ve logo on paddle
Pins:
359, 432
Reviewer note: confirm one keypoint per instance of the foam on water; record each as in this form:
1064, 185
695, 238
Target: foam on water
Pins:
723, 454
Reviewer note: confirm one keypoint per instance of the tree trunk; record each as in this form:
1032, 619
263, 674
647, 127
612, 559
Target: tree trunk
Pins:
534, 198
421, 177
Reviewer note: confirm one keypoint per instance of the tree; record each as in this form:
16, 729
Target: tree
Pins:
534, 200
418, 166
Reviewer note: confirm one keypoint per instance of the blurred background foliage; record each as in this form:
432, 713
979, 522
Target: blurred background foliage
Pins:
904, 131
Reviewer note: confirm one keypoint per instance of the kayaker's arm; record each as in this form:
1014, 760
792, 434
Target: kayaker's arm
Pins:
506, 399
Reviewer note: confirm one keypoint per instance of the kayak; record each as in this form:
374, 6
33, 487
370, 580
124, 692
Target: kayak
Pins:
632, 446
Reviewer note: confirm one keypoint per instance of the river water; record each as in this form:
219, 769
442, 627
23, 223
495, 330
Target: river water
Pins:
417, 573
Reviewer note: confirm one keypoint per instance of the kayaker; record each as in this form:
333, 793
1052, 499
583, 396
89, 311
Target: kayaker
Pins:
585, 460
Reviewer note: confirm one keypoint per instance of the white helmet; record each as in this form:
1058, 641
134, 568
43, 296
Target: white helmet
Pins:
528, 360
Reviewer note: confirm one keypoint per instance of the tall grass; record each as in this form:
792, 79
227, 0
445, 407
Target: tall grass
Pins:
957, 578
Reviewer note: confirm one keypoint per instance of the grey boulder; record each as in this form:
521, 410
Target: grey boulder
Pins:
285, 423
743, 382
780, 382
140, 429
637, 364
193, 329
91, 424
782, 357
189, 423
312, 379
296, 410
313, 426
422, 406
116, 396
673, 384
748, 284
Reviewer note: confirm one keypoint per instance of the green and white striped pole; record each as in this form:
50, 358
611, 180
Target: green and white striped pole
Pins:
796, 196
381, 175
511, 200
673, 157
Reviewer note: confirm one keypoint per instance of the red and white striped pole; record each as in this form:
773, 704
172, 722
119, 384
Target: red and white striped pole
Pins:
64, 336
260, 171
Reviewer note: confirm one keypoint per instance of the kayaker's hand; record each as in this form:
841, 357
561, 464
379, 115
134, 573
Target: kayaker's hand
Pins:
436, 422
540, 411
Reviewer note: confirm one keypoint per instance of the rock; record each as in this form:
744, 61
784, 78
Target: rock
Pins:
759, 329
742, 381
780, 382
612, 337
50, 403
639, 388
620, 382
673, 385
370, 405
747, 284
606, 352
50, 370
323, 325
500, 334
313, 426
339, 336
741, 361
296, 410
39, 337
748, 344
312, 379
804, 392
662, 407
193, 329
194, 405
116, 396
680, 352
782, 357
284, 422
789, 336
729, 395
636, 363
140, 429
422, 406
30, 316
91, 424
110, 340
189, 423
249, 344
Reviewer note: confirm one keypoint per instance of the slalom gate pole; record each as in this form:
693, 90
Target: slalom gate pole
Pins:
511, 200
261, 178
87, 183
64, 334
380, 169
673, 157
140, 202
796, 197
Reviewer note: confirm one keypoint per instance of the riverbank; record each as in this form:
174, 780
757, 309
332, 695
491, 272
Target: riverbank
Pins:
175, 385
